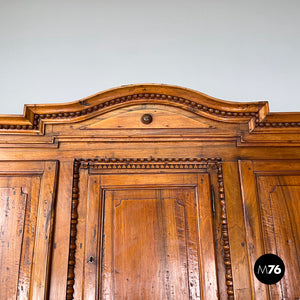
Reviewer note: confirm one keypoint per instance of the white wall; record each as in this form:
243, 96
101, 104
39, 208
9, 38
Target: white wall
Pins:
58, 51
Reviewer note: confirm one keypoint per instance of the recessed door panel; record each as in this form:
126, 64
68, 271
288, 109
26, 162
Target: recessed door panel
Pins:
271, 194
27, 191
157, 226
280, 214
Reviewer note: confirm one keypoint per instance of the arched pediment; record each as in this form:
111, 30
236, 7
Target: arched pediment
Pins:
187, 101
178, 113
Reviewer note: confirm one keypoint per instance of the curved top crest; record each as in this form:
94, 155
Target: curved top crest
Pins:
35, 116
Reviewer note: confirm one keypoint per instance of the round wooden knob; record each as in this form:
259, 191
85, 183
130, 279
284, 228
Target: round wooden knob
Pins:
146, 119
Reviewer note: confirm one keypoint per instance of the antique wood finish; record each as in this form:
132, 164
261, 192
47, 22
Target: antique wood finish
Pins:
271, 193
174, 190
26, 215
236, 231
161, 200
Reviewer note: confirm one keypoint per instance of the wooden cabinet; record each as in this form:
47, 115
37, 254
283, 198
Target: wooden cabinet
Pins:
148, 192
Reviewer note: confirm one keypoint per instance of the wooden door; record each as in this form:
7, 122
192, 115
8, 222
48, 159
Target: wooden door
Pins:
271, 196
145, 236
27, 191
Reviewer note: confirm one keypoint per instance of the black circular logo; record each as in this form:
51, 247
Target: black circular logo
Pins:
269, 268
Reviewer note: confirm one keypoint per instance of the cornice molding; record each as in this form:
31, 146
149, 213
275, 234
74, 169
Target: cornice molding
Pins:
36, 116
280, 120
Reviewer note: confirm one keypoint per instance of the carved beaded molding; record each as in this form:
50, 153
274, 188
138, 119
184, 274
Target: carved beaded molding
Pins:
148, 163
279, 124
191, 105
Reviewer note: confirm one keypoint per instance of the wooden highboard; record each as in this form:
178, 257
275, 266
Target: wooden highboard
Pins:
148, 192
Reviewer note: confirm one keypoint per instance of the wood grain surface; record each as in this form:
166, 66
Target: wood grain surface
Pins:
181, 206
271, 194
27, 191
154, 235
